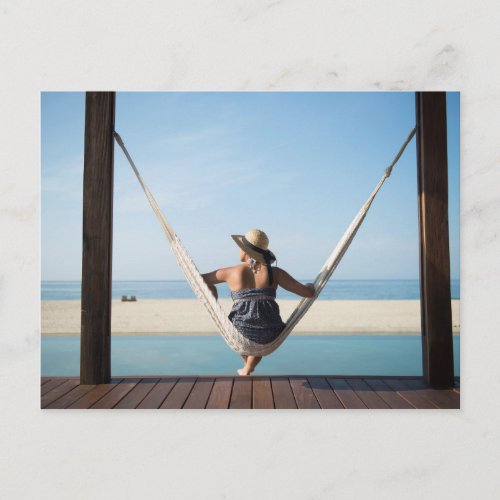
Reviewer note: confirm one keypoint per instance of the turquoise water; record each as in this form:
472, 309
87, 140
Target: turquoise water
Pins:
335, 289
209, 355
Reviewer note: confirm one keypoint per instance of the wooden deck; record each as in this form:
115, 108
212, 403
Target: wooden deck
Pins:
260, 392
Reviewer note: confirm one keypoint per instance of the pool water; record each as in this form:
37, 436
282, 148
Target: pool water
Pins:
209, 355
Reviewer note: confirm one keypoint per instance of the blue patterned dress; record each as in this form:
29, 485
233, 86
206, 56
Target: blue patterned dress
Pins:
256, 314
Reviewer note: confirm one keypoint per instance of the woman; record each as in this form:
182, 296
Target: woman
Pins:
253, 286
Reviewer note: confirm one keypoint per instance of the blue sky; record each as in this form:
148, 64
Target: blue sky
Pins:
297, 165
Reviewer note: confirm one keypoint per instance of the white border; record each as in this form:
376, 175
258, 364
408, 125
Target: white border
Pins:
239, 45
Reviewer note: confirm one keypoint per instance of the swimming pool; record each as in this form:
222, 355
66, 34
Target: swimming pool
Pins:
209, 355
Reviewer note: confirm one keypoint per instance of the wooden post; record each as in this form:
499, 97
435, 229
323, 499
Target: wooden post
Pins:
95, 352
435, 295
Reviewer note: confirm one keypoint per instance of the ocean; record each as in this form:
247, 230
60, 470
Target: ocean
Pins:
334, 290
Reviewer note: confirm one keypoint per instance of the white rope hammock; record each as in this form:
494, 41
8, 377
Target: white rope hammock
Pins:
231, 335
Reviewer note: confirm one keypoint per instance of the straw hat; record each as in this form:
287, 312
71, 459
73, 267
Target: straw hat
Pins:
255, 243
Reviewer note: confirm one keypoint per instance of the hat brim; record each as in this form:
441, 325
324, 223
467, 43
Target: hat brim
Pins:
238, 239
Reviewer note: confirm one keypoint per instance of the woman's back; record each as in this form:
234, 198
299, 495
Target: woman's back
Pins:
241, 277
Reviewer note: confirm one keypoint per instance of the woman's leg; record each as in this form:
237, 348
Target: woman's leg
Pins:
244, 357
252, 362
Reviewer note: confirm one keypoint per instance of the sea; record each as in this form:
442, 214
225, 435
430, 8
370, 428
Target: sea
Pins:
390, 289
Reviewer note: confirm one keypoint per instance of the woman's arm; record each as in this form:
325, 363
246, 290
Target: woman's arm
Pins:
218, 276
292, 285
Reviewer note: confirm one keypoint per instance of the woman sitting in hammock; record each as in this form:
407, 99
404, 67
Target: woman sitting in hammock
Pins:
253, 285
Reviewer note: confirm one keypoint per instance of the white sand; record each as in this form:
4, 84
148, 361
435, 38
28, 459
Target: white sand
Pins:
174, 317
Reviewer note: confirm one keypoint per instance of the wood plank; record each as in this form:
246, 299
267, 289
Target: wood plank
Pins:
304, 395
178, 395
52, 384
198, 397
116, 394
71, 396
97, 252
44, 380
345, 393
442, 398
58, 392
446, 398
435, 298
282, 393
241, 397
251, 392
262, 394
327, 399
94, 395
392, 398
369, 397
221, 393
137, 394
412, 396
158, 394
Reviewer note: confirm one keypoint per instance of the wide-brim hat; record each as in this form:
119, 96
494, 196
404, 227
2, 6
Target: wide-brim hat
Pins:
255, 243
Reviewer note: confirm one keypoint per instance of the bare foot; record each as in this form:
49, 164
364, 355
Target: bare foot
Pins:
243, 372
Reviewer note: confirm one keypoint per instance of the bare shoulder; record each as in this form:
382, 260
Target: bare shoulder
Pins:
280, 273
229, 272
238, 268
224, 274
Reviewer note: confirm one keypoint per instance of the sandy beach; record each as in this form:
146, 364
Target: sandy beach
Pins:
188, 317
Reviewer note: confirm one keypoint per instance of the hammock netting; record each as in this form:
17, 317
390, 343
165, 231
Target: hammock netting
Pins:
231, 335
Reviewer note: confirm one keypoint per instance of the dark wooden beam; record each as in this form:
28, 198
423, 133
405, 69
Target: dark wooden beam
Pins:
95, 353
435, 295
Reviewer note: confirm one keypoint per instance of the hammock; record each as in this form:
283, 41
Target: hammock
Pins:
231, 335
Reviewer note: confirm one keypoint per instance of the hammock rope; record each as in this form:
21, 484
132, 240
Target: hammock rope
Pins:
233, 338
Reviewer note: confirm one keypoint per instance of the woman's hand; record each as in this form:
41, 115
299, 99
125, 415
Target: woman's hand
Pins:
211, 279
